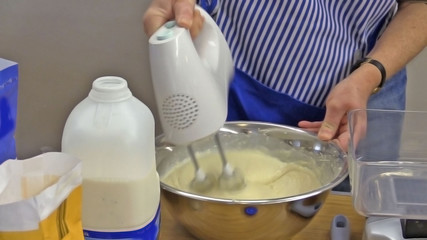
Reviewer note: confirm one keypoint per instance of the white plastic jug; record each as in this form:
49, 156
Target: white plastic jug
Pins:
112, 132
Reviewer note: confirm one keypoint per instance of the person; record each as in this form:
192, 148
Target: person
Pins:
308, 63
294, 59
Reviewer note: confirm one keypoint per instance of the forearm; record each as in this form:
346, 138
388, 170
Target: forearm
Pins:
403, 39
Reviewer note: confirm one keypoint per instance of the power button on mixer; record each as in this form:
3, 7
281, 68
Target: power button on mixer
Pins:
170, 24
166, 32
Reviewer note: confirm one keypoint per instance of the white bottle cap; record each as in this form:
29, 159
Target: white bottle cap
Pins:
110, 89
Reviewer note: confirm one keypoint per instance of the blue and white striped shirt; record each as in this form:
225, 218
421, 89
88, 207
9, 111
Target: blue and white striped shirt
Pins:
302, 48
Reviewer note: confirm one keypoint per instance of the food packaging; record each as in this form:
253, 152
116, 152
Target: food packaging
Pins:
40, 198
8, 107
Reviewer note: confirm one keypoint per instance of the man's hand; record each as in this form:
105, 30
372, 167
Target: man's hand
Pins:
351, 93
182, 11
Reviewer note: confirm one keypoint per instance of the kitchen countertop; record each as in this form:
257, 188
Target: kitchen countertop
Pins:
336, 203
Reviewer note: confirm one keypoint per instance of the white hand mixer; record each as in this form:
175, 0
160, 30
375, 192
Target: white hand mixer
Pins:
191, 80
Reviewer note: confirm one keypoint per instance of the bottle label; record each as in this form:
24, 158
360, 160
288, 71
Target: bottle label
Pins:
148, 232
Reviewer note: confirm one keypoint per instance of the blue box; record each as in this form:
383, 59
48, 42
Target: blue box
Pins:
8, 108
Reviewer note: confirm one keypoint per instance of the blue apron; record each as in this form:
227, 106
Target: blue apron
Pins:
250, 100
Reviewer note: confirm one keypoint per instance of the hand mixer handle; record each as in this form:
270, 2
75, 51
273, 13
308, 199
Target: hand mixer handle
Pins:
214, 51
190, 80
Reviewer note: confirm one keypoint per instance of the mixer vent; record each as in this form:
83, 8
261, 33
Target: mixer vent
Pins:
180, 111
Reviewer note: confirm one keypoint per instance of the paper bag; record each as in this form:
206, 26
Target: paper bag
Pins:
40, 198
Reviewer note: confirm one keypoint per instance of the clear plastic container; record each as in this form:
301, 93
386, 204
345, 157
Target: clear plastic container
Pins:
388, 163
112, 132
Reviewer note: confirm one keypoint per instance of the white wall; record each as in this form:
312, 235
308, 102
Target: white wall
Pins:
63, 45
416, 92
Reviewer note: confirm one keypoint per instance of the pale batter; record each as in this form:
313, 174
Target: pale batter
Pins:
266, 176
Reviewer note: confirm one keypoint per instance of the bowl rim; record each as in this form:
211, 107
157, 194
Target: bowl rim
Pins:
340, 177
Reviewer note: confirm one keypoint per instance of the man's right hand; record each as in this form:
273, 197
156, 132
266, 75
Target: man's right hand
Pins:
182, 11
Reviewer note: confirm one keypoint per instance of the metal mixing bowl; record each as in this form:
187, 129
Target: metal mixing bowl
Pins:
230, 219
